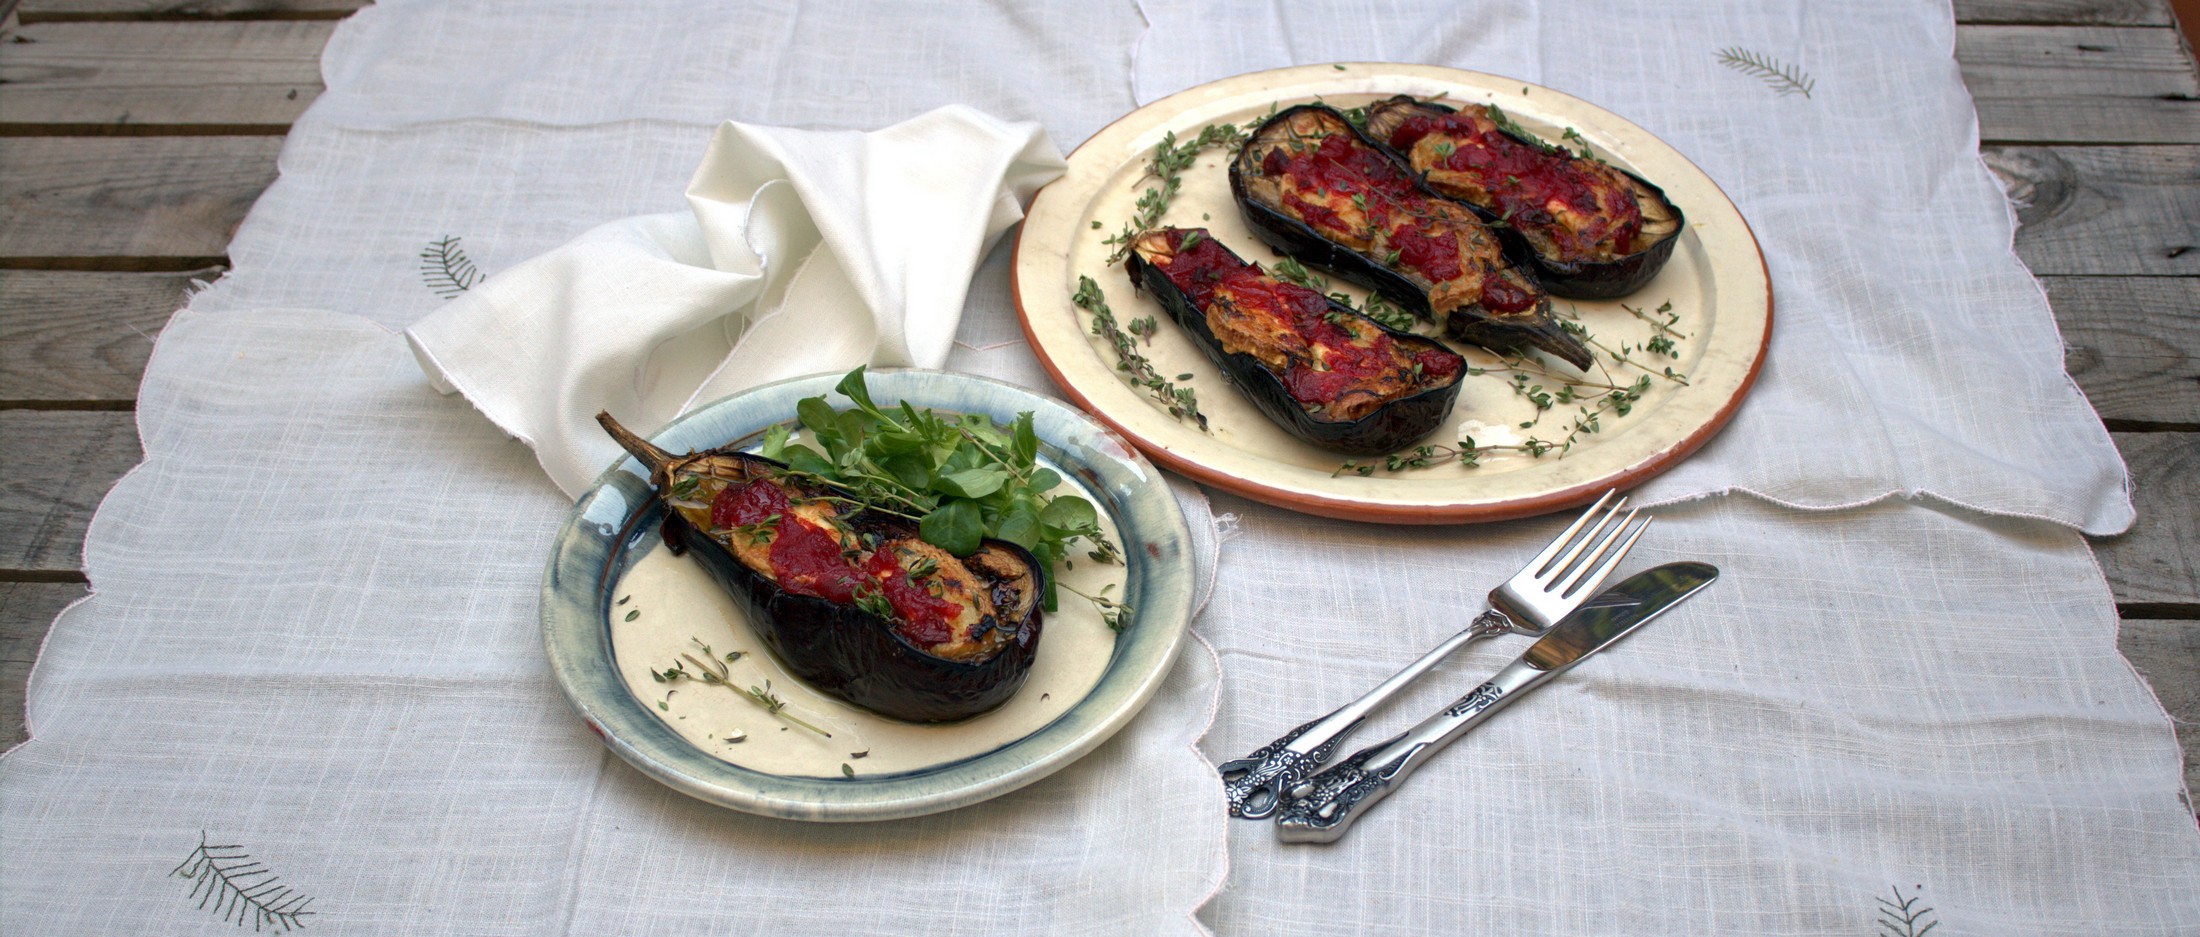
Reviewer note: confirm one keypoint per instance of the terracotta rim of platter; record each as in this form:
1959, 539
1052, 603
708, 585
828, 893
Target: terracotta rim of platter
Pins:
1717, 279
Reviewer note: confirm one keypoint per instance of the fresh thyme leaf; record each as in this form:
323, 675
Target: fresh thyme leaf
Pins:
1591, 400
1506, 124
1180, 401
1166, 168
870, 599
634, 614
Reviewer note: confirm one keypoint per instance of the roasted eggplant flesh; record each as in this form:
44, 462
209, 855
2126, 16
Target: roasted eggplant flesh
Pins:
852, 600
1321, 370
1583, 218
1316, 188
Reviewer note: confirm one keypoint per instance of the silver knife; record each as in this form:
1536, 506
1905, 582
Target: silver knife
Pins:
1321, 808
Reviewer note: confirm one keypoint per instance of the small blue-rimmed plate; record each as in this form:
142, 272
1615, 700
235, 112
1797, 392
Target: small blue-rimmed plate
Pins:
614, 524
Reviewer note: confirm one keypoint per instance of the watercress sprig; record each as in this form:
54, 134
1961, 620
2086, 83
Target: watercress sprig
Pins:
962, 479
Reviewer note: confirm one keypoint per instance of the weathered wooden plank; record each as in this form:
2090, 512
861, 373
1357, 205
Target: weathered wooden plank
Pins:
2167, 654
47, 11
2066, 12
26, 611
2091, 84
55, 465
149, 197
82, 337
2104, 209
2133, 344
147, 77
2154, 569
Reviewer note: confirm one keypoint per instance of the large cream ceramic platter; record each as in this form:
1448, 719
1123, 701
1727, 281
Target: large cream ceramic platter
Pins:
1716, 281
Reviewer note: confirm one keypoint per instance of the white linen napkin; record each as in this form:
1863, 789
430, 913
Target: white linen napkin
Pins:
804, 251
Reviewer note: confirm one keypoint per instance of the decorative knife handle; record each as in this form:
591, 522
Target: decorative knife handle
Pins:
1257, 783
1325, 805
1335, 798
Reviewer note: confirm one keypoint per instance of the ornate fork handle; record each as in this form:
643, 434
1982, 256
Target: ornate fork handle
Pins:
1257, 783
1325, 805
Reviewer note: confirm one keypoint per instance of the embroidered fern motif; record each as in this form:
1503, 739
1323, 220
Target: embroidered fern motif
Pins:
227, 881
1782, 79
1901, 917
447, 269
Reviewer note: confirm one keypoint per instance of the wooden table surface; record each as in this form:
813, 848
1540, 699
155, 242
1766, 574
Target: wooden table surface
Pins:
135, 134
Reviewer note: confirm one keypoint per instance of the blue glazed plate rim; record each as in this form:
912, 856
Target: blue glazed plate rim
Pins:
606, 526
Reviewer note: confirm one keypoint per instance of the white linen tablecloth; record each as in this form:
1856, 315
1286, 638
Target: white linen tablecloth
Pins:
314, 631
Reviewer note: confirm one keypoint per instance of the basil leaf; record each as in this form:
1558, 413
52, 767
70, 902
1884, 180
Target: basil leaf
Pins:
1044, 479
954, 527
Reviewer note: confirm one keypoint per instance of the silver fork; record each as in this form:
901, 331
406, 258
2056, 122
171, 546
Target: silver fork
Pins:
1554, 583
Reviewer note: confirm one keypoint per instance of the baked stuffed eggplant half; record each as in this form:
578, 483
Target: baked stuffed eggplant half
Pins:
1323, 372
852, 601
1594, 231
1314, 187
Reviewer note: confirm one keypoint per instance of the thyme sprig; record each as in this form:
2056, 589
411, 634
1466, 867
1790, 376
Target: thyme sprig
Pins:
1166, 167
1290, 270
1621, 355
1113, 612
1181, 402
1591, 399
710, 671
1505, 123
1466, 453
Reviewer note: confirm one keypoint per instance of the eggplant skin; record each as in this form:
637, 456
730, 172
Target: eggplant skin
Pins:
853, 655
1574, 279
1390, 427
1467, 321
840, 649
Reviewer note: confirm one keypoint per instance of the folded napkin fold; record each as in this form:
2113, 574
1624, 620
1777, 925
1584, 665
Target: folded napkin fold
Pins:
803, 251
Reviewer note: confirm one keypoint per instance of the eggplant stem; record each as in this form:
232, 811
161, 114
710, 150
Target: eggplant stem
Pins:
648, 453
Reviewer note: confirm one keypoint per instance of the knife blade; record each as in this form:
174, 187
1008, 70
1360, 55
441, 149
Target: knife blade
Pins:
1322, 807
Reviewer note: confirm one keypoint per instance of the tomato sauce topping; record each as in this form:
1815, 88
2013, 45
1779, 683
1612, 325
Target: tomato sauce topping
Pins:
1390, 199
1524, 181
806, 557
924, 618
1346, 357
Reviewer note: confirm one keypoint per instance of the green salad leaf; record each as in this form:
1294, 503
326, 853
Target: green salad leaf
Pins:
961, 478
